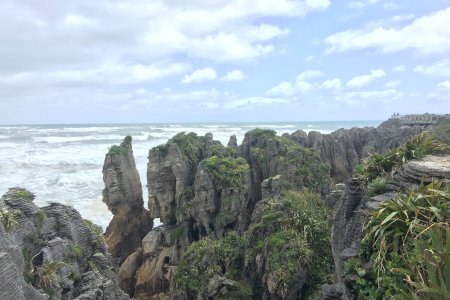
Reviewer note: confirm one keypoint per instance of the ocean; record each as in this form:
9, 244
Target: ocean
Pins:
63, 163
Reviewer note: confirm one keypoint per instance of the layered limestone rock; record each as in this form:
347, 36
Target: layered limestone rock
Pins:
123, 196
52, 253
354, 205
201, 189
345, 148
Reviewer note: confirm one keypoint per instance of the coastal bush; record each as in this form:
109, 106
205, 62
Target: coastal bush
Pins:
206, 258
48, 275
407, 241
8, 219
376, 187
23, 193
227, 171
414, 148
295, 233
122, 149
97, 231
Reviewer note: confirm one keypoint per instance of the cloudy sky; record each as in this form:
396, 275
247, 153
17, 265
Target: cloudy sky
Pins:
113, 61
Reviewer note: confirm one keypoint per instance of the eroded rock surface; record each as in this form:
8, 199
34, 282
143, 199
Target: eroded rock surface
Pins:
354, 205
123, 196
52, 253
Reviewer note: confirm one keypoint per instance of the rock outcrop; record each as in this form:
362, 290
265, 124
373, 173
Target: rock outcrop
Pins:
354, 205
123, 196
345, 148
52, 253
201, 189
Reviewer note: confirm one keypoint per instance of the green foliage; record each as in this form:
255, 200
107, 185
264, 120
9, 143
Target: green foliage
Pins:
48, 275
376, 186
296, 233
27, 274
8, 219
227, 171
189, 144
207, 258
97, 231
122, 149
259, 133
414, 148
39, 219
407, 240
23, 193
176, 233
76, 250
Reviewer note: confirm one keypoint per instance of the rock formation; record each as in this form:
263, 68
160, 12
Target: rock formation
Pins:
201, 189
52, 253
123, 196
354, 205
345, 148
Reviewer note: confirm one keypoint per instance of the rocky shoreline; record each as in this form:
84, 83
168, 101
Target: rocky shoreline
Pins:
234, 220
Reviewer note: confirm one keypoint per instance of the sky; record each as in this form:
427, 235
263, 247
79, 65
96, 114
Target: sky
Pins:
173, 61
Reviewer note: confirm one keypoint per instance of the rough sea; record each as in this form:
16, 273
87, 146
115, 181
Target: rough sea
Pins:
63, 163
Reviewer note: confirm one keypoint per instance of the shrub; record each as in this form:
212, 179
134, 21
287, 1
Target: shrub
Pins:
23, 193
376, 186
227, 171
97, 231
8, 219
407, 240
48, 277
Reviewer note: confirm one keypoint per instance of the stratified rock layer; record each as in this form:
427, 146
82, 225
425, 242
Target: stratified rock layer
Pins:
354, 205
55, 234
123, 196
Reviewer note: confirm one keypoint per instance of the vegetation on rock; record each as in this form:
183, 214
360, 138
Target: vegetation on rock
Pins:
407, 242
8, 219
227, 171
414, 148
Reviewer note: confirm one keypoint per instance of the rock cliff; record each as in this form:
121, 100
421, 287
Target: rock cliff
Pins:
123, 196
343, 149
355, 204
52, 253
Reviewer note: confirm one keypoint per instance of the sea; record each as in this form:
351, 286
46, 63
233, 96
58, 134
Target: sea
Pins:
63, 163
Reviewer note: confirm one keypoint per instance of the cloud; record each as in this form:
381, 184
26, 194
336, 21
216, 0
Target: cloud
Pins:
377, 96
200, 75
392, 83
429, 35
235, 75
265, 101
284, 89
439, 69
444, 85
300, 85
391, 6
331, 84
309, 74
362, 3
399, 68
362, 80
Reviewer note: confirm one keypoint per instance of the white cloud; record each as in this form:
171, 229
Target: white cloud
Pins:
440, 69
429, 34
399, 68
300, 85
363, 80
390, 95
392, 83
200, 75
235, 75
444, 85
233, 104
331, 84
285, 89
361, 3
391, 6
309, 59
309, 74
